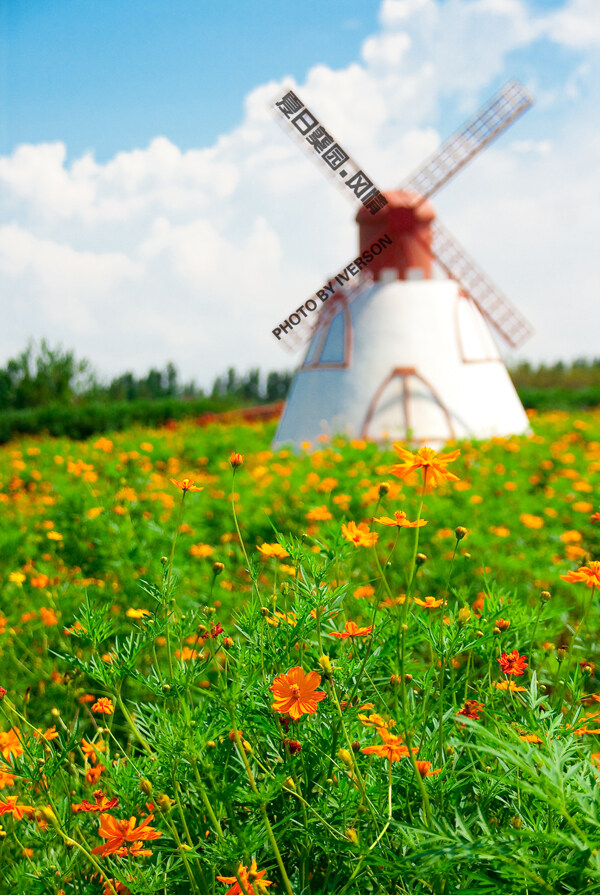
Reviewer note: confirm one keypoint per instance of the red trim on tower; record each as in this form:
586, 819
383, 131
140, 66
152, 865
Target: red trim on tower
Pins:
405, 373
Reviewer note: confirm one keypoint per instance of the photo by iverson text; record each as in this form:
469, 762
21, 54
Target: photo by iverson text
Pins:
354, 268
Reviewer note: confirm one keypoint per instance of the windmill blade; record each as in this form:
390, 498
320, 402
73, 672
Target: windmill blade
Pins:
487, 124
497, 309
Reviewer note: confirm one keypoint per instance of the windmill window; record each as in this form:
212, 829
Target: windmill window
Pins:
331, 344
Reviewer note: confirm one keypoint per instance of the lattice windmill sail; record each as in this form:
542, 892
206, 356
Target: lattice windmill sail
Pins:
403, 355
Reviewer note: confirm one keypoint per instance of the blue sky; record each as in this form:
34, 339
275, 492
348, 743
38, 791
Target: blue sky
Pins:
111, 75
142, 181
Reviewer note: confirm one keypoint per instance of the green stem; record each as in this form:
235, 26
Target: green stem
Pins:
263, 810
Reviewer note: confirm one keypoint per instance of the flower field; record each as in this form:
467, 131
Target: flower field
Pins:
233, 671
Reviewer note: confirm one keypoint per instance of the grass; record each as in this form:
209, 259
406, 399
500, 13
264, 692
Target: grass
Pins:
121, 592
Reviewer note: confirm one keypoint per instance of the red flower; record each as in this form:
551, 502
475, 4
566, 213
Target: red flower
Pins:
471, 709
293, 745
216, 630
101, 803
513, 663
3, 692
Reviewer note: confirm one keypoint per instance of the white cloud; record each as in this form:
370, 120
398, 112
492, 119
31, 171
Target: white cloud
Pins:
195, 256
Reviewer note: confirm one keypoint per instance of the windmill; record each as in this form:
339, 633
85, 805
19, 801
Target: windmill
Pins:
404, 355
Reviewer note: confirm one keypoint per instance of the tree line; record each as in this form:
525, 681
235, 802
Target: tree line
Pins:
42, 375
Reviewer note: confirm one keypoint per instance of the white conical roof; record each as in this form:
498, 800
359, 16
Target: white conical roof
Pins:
408, 359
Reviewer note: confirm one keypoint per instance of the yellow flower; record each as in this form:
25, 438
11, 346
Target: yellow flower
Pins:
17, 577
273, 550
429, 602
137, 613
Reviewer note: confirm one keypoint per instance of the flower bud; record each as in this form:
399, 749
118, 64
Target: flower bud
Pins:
479, 634
496, 630
146, 787
586, 669
464, 615
421, 558
164, 802
545, 596
164, 560
460, 532
218, 567
48, 815
395, 680
211, 744
228, 641
355, 746
352, 835
561, 653
166, 688
384, 487
290, 783
325, 664
345, 757
236, 460
264, 611
516, 822
55, 712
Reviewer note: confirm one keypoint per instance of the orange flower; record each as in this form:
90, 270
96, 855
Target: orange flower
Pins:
248, 877
137, 613
364, 590
432, 464
290, 618
429, 602
273, 550
319, 514
376, 721
530, 738
352, 630
589, 574
10, 743
90, 750
360, 535
11, 806
103, 706
531, 521
236, 460
118, 832
296, 692
509, 685
93, 774
185, 485
503, 624
6, 779
393, 748
48, 617
423, 767
513, 663
400, 520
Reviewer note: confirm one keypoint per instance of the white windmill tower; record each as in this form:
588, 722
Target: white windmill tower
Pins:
402, 355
